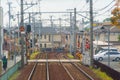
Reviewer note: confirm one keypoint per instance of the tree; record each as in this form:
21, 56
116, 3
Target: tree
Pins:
115, 19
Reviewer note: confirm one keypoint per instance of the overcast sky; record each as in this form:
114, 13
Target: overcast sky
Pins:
61, 5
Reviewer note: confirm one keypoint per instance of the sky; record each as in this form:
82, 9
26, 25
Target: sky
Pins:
99, 6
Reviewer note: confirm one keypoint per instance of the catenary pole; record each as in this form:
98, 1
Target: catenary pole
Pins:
22, 36
91, 32
74, 29
71, 32
9, 5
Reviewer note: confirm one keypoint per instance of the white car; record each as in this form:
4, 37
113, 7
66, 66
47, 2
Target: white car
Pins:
113, 55
102, 49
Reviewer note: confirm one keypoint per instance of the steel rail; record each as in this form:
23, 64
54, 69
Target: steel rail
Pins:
47, 68
31, 74
65, 69
33, 70
87, 75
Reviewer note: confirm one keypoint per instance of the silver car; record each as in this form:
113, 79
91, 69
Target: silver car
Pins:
112, 55
102, 49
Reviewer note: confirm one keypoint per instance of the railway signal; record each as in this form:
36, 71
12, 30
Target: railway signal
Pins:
87, 44
22, 28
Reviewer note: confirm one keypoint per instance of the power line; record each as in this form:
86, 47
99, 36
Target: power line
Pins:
93, 4
105, 6
105, 11
83, 7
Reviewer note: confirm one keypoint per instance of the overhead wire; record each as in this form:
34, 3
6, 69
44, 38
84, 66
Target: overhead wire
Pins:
93, 3
105, 11
101, 8
105, 6
87, 9
83, 7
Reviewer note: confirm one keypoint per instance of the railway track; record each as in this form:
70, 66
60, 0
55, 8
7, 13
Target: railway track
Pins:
40, 68
57, 70
74, 71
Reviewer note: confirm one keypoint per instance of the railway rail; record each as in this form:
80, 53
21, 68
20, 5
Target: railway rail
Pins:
57, 70
39, 68
74, 66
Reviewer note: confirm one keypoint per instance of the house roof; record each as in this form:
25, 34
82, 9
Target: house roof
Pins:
50, 30
106, 28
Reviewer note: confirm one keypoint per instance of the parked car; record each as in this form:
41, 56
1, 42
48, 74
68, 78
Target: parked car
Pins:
114, 56
102, 49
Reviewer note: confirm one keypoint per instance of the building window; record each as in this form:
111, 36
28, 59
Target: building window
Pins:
49, 38
40, 45
45, 45
44, 36
41, 36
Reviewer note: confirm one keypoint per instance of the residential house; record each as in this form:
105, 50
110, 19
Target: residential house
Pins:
107, 32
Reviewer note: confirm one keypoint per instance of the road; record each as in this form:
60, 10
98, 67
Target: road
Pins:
113, 64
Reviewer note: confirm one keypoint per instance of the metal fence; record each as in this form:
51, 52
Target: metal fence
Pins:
111, 72
10, 71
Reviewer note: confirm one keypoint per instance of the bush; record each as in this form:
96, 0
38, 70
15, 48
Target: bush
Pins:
70, 56
101, 75
33, 55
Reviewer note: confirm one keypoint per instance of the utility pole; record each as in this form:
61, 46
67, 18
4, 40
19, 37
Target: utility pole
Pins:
52, 28
18, 26
74, 29
9, 5
60, 30
109, 47
71, 32
1, 31
18, 16
22, 35
83, 42
33, 30
91, 33
40, 26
